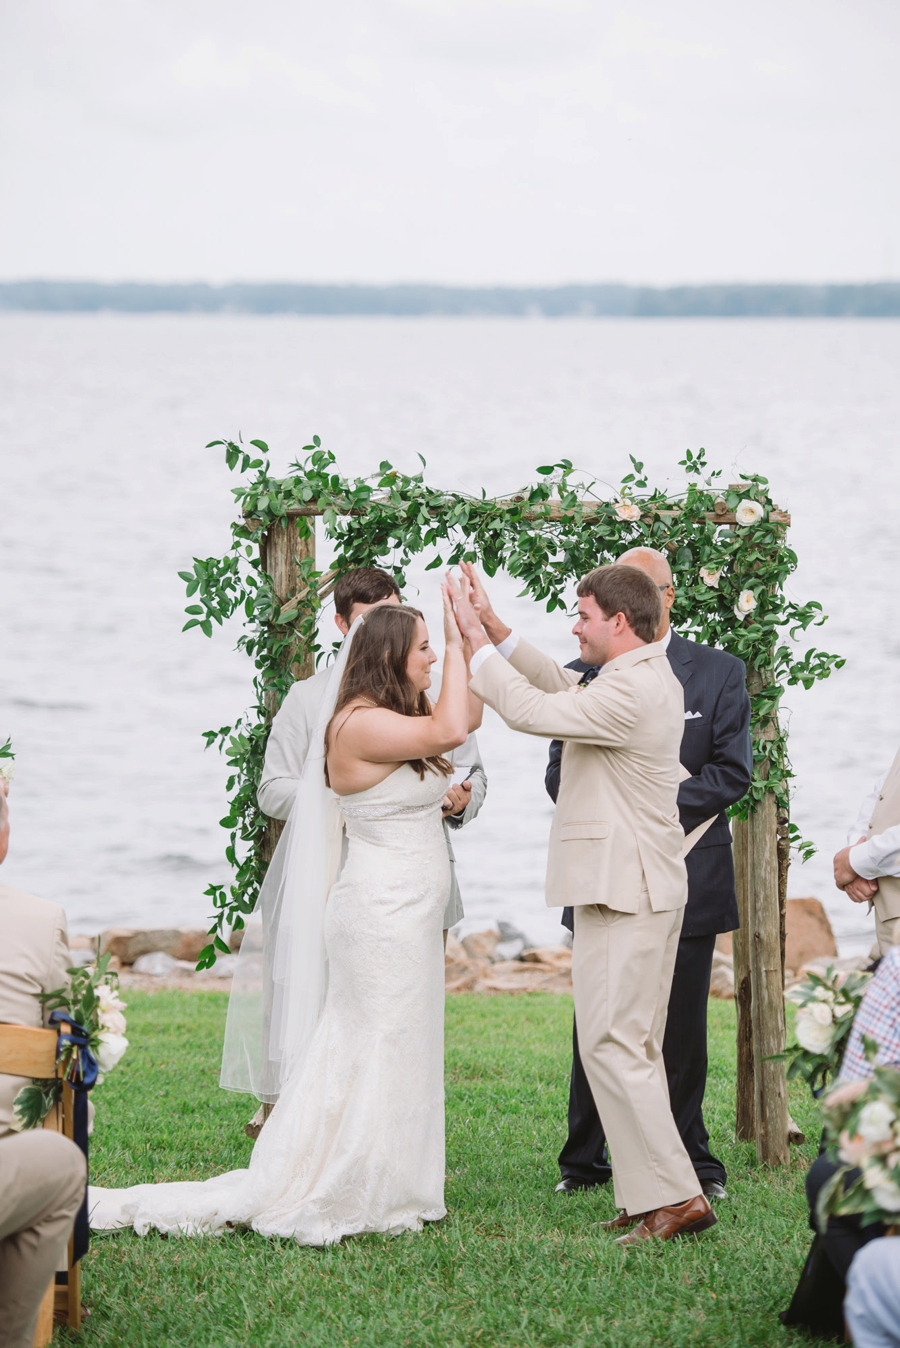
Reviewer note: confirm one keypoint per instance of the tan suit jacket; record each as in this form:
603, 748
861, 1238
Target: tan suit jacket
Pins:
616, 821
34, 956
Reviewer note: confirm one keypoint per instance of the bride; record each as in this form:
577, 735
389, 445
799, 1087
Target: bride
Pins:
349, 1022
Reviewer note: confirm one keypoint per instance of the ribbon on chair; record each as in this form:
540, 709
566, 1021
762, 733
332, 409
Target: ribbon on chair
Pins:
83, 1071
81, 1076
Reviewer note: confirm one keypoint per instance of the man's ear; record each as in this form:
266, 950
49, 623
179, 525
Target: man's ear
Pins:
341, 625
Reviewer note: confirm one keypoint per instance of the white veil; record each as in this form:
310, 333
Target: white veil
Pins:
279, 985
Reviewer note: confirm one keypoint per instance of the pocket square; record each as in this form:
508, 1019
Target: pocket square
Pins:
693, 715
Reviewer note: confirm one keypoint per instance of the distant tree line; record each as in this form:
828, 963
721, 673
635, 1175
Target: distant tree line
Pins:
875, 300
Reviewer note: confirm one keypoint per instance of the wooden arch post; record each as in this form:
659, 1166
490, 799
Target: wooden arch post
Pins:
760, 856
282, 549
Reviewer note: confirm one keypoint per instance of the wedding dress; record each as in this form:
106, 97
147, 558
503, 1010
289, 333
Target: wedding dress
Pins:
355, 1142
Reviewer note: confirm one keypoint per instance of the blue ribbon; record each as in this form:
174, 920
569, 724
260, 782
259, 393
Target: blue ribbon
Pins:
81, 1077
84, 1071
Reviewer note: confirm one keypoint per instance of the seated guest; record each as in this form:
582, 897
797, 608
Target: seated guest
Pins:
42, 1175
42, 1184
817, 1300
34, 957
872, 1304
868, 869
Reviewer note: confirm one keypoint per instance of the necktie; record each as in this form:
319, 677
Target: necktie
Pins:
588, 675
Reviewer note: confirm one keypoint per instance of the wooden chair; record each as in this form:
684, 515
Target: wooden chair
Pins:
26, 1052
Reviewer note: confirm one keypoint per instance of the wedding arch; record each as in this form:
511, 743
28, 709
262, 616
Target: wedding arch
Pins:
730, 558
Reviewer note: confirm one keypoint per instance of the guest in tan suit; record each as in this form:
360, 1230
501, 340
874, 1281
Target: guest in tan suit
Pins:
868, 869
616, 855
42, 1175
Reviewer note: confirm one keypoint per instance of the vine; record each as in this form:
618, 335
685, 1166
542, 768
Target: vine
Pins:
727, 546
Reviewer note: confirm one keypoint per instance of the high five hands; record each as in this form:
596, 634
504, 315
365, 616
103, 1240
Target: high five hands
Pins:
474, 612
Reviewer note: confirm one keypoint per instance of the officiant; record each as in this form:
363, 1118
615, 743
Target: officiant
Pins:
717, 752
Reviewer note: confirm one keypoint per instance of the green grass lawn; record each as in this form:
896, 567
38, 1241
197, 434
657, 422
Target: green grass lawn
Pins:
512, 1264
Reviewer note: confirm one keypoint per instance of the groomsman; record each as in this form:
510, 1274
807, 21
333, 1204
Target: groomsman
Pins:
615, 853
717, 752
868, 869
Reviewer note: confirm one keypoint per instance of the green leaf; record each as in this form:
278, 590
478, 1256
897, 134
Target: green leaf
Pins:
194, 622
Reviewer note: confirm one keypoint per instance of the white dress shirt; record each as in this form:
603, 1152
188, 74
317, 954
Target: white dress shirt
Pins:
881, 854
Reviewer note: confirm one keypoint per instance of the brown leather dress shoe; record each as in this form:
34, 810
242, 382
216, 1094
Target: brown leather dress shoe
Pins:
681, 1219
623, 1222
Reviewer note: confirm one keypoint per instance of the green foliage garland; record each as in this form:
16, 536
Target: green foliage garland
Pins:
729, 578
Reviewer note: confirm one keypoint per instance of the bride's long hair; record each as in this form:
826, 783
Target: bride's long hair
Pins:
376, 672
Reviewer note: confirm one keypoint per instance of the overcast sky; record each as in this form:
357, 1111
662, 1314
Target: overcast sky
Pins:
510, 141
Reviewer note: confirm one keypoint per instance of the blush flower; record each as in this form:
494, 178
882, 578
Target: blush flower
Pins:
853, 1150
749, 512
627, 510
710, 577
746, 604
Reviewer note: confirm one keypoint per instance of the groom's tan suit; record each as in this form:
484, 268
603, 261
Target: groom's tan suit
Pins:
615, 855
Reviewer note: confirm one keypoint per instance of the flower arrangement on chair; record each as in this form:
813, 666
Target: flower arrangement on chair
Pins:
94, 1045
826, 1005
867, 1126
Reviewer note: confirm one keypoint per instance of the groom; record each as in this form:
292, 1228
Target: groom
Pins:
615, 854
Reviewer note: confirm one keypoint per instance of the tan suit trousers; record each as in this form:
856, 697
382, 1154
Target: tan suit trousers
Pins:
887, 931
42, 1179
622, 965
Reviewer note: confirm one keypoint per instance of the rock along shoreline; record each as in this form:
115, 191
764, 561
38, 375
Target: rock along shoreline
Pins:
490, 961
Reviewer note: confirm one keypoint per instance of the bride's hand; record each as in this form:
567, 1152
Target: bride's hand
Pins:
452, 634
477, 593
468, 620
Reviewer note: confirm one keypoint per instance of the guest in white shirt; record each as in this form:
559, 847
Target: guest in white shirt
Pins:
868, 868
288, 744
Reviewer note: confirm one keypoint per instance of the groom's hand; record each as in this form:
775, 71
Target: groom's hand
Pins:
467, 619
496, 629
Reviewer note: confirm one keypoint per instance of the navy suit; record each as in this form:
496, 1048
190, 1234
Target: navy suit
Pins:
717, 752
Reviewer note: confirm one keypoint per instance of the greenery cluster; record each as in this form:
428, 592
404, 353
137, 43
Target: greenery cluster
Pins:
730, 585
512, 1265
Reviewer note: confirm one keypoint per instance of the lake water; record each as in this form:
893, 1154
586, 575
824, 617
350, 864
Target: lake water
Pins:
107, 491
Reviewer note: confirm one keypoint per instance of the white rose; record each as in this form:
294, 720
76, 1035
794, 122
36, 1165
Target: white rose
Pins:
887, 1196
824, 995
820, 1012
749, 512
7, 769
110, 1049
876, 1122
746, 603
710, 577
811, 1033
627, 510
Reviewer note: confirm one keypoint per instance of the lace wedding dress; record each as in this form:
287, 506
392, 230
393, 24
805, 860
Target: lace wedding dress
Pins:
356, 1140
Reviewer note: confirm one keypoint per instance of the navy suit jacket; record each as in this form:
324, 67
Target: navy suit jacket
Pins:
717, 752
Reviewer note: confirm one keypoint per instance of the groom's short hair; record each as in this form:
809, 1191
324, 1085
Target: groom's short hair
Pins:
365, 585
625, 589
